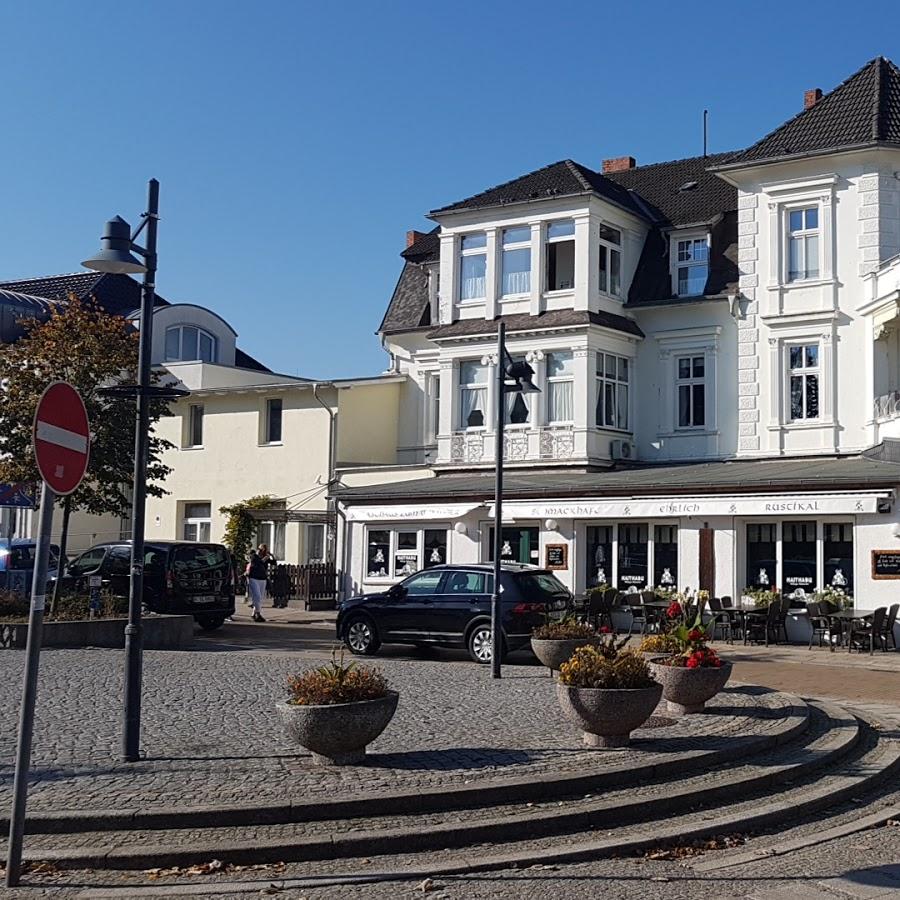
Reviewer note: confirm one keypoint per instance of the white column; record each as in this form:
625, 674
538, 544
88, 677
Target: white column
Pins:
449, 278
538, 267
869, 378
827, 391
491, 275
582, 261
449, 412
776, 380
580, 390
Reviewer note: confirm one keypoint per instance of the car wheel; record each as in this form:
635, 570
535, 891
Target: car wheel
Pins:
479, 643
210, 623
361, 637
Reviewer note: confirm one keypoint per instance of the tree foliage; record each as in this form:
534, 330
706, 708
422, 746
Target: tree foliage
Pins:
240, 527
91, 349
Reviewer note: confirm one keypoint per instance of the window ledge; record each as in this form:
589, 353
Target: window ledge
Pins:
695, 431
477, 301
802, 283
515, 298
809, 425
559, 292
270, 444
193, 447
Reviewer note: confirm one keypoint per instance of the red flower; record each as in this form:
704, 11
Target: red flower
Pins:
605, 629
695, 634
674, 610
693, 663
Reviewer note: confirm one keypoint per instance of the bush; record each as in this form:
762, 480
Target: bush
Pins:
564, 630
590, 667
659, 643
336, 683
13, 606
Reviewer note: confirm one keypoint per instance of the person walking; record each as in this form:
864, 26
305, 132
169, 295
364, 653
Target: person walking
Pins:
256, 580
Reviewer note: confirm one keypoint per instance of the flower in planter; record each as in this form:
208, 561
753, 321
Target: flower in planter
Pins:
659, 643
564, 630
674, 610
605, 629
704, 658
336, 683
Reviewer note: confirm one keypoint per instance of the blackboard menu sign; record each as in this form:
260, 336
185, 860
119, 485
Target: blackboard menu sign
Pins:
886, 564
557, 556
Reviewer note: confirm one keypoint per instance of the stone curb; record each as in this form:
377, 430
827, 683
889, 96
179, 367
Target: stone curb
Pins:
829, 748
496, 792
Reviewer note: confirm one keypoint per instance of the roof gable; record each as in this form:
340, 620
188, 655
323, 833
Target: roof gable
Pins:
861, 111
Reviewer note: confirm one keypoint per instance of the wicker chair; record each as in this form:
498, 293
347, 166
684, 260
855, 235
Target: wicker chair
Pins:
722, 619
762, 627
868, 633
819, 622
889, 623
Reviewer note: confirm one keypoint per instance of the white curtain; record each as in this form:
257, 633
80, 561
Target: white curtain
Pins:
516, 282
471, 399
561, 403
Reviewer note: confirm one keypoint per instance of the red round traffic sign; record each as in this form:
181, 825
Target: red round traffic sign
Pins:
61, 437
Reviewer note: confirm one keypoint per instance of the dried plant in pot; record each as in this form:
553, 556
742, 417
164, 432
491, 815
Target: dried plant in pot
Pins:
653, 646
335, 711
607, 692
694, 673
555, 642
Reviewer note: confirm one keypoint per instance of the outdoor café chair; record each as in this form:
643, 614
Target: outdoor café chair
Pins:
782, 616
762, 626
819, 622
889, 623
638, 612
599, 610
862, 633
722, 619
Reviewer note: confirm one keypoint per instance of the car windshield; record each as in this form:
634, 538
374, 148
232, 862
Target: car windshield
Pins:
537, 585
191, 560
21, 556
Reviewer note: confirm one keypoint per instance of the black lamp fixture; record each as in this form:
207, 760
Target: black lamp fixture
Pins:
512, 377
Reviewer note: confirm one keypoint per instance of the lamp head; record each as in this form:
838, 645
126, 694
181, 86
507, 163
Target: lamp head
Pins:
522, 374
115, 256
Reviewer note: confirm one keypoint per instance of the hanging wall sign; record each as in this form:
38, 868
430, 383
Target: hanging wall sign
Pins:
556, 556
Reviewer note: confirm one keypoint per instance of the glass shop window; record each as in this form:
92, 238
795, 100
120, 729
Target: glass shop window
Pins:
599, 555
633, 557
406, 554
378, 552
838, 555
520, 545
761, 550
665, 556
435, 548
798, 563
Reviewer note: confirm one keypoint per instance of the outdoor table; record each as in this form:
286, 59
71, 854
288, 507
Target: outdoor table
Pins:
848, 615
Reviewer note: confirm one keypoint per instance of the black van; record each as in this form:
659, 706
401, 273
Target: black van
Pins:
179, 577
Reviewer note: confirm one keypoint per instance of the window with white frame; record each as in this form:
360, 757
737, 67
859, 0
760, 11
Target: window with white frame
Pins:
473, 392
690, 377
613, 379
189, 343
315, 543
692, 255
473, 267
803, 375
516, 262
560, 388
610, 261
518, 405
195, 426
803, 243
394, 553
274, 408
197, 522
561, 255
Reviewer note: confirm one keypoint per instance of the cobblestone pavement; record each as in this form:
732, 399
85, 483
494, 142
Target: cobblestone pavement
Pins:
211, 736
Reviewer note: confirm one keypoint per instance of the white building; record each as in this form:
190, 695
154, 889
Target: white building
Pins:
716, 344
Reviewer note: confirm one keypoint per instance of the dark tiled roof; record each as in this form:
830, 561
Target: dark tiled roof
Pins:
663, 188
246, 361
426, 249
863, 110
565, 178
688, 479
558, 318
117, 294
409, 308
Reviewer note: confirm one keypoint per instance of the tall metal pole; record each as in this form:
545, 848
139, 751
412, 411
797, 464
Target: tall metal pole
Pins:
29, 690
134, 637
496, 615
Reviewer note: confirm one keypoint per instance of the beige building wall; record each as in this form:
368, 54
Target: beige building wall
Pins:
367, 423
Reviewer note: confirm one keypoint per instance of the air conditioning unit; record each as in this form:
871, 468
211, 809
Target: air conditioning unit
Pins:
621, 449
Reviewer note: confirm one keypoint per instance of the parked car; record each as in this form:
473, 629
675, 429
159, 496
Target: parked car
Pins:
450, 605
179, 577
17, 563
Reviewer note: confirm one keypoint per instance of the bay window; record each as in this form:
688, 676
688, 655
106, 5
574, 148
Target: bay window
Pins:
516, 262
560, 388
561, 255
803, 243
691, 384
610, 277
692, 266
613, 376
803, 362
473, 267
473, 390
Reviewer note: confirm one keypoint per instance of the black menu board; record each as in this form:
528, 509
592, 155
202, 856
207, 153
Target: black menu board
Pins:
886, 564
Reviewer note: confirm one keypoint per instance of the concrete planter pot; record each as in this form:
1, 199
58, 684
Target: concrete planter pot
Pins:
607, 717
687, 690
160, 633
337, 734
553, 653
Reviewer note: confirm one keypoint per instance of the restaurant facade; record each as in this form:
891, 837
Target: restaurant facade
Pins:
716, 344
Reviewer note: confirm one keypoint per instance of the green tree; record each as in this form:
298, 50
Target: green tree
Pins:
91, 349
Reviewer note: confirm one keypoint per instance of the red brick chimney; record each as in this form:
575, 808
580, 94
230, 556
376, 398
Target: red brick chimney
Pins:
812, 97
619, 164
412, 237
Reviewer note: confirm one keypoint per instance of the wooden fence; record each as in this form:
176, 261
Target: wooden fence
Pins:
315, 584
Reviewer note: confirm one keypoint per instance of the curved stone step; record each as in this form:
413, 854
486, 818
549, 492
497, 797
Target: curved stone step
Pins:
741, 737
833, 735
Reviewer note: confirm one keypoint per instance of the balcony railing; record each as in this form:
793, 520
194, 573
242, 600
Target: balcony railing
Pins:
887, 406
533, 444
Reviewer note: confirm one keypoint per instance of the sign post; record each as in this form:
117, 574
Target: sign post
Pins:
61, 440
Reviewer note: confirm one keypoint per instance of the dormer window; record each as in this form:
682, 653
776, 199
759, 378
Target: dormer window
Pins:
610, 261
473, 267
561, 255
692, 266
188, 343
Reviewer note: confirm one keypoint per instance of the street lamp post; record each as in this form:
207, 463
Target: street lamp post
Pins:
521, 374
117, 247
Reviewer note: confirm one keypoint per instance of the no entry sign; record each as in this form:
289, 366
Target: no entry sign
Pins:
61, 437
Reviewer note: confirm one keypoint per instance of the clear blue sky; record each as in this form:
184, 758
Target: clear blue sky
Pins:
296, 142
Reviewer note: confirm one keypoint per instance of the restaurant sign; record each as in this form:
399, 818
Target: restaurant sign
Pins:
783, 505
417, 513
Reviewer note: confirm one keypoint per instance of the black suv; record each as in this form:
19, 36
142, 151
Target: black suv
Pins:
179, 577
451, 605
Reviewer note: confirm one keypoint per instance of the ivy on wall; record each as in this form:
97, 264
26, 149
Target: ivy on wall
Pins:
241, 526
